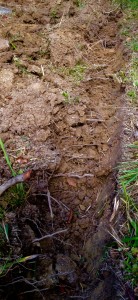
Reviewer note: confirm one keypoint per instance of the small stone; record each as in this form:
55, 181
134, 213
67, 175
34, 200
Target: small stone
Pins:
82, 207
4, 45
6, 78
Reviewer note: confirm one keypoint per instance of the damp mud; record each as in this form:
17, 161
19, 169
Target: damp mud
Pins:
61, 116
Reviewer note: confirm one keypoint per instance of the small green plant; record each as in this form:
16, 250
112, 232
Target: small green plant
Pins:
122, 76
133, 45
20, 66
53, 13
44, 53
9, 263
78, 71
76, 100
79, 3
132, 94
13, 46
7, 157
13, 39
129, 170
66, 96
125, 31
134, 76
18, 192
68, 99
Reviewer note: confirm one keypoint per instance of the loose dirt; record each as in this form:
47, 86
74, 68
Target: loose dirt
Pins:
61, 102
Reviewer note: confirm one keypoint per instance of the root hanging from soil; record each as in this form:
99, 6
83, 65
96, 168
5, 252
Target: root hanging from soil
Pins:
13, 181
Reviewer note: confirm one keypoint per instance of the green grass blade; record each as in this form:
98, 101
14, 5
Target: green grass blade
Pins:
6, 157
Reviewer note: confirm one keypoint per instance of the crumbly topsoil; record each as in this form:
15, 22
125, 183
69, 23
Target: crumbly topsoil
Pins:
61, 116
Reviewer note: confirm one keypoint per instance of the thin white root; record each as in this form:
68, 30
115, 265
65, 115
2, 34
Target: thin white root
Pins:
49, 236
73, 175
49, 204
115, 209
60, 203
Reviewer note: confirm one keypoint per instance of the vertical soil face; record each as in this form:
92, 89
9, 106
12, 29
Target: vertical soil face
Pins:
60, 115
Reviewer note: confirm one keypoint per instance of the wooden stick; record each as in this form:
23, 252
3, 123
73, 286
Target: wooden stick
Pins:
17, 179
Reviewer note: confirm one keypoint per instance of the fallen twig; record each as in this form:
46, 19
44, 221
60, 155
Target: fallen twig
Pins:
49, 236
73, 175
17, 179
95, 120
96, 78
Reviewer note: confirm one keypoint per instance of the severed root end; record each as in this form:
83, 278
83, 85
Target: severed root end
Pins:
17, 179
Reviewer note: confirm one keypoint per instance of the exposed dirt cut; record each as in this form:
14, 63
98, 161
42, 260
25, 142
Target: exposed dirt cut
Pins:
60, 115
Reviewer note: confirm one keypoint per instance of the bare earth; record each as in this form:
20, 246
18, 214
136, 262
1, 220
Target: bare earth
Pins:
61, 116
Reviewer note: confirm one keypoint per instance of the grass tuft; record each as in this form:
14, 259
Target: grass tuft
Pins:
130, 4
76, 73
128, 180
